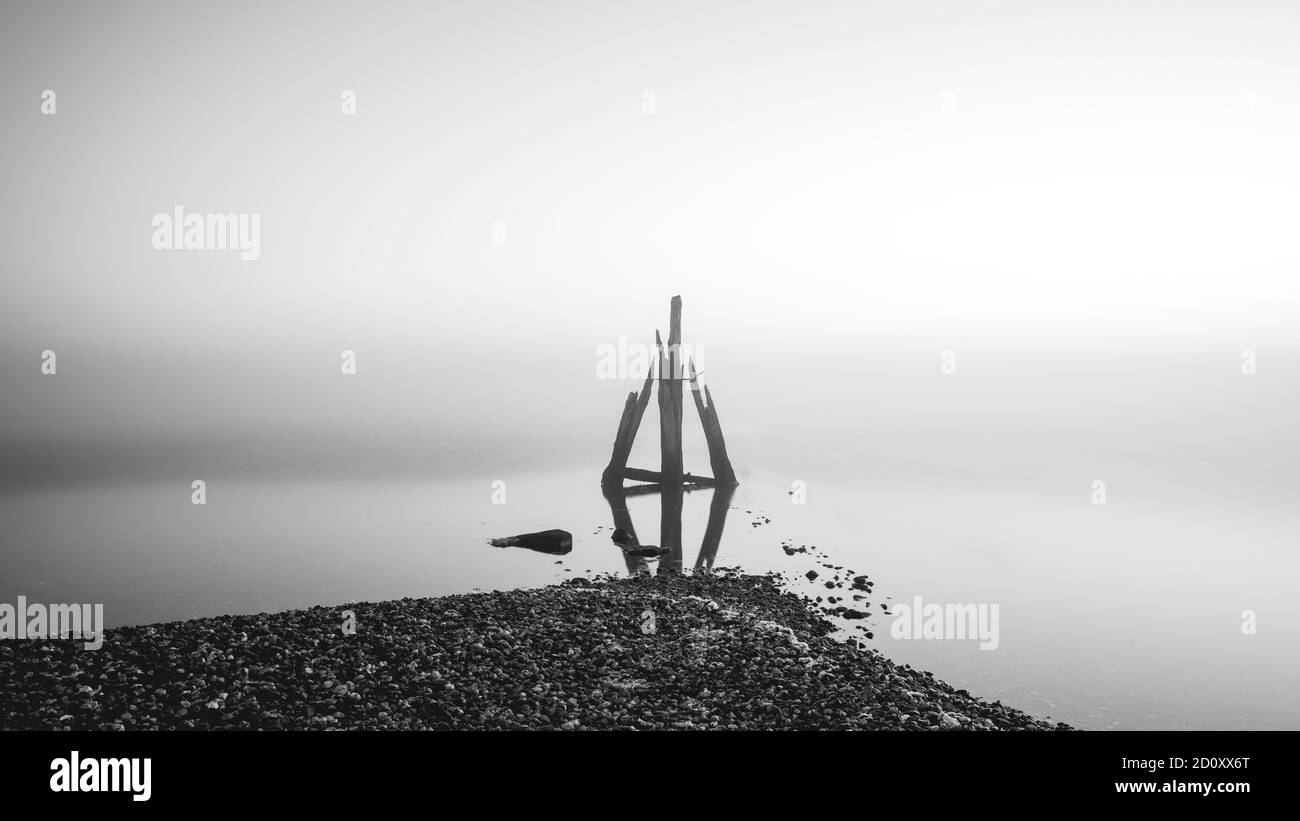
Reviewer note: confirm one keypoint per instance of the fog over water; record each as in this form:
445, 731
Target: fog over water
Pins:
1091, 213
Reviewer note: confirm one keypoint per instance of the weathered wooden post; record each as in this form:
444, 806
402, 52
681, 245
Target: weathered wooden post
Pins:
671, 473
670, 399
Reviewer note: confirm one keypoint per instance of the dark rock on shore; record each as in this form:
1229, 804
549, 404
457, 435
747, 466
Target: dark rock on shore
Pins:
555, 542
648, 551
723, 651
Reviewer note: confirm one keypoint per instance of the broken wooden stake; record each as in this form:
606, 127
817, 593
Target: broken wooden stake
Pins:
627, 427
718, 459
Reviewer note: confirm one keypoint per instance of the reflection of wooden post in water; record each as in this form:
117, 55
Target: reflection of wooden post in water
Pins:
670, 528
718, 507
617, 498
670, 525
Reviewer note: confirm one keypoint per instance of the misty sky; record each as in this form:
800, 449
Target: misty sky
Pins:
822, 182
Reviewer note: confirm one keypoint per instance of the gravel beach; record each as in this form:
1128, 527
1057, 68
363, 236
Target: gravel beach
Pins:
718, 651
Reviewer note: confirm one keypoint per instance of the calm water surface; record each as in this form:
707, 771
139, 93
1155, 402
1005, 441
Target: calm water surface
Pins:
1122, 615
